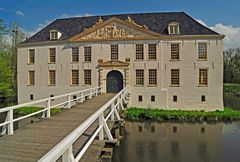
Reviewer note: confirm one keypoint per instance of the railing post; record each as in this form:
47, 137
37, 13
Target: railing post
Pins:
90, 95
10, 119
48, 104
68, 155
81, 94
69, 101
101, 133
112, 109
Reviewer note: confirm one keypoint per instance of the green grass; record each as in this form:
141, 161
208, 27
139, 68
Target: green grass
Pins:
29, 110
179, 115
231, 89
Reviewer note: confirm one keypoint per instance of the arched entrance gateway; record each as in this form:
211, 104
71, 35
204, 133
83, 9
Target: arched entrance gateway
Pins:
114, 81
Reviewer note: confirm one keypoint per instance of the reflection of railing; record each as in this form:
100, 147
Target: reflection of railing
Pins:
7, 126
64, 148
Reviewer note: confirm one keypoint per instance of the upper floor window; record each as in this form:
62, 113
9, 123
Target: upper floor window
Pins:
87, 54
75, 77
202, 51
175, 77
173, 28
139, 77
54, 34
139, 51
52, 55
203, 77
152, 52
152, 74
174, 51
31, 77
51, 77
114, 52
87, 77
75, 54
31, 56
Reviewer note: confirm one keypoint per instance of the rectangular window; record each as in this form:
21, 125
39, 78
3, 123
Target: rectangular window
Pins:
88, 54
87, 77
51, 77
174, 51
31, 77
75, 77
152, 98
114, 52
52, 55
152, 52
203, 98
203, 77
175, 77
140, 98
152, 77
31, 97
175, 98
75, 54
139, 51
139, 77
202, 51
31, 56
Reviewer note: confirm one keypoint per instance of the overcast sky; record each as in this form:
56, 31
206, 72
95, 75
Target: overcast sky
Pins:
219, 15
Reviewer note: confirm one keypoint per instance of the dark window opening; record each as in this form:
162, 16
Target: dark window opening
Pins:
52, 96
31, 96
139, 128
140, 98
202, 130
152, 98
152, 129
174, 98
174, 129
203, 98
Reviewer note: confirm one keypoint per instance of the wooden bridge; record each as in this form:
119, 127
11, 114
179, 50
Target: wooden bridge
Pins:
69, 136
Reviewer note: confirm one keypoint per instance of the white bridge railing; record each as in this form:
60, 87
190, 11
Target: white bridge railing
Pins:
64, 149
68, 101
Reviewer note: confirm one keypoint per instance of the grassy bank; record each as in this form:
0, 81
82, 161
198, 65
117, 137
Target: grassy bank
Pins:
179, 115
29, 110
231, 89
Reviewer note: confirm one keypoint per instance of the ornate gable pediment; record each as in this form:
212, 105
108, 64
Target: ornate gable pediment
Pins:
114, 63
115, 28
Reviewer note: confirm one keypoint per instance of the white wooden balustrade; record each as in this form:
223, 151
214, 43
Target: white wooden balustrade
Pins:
68, 101
64, 148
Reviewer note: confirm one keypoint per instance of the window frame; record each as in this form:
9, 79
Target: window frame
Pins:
73, 77
152, 54
49, 56
139, 81
152, 78
139, 53
85, 77
31, 80
29, 56
49, 78
114, 52
202, 82
53, 35
87, 54
173, 28
202, 56
74, 55
173, 78
174, 52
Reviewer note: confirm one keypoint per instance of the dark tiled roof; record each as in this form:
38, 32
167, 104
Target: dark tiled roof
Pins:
157, 22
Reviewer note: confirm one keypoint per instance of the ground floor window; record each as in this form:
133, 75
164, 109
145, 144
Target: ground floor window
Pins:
51, 77
140, 98
87, 77
152, 77
139, 77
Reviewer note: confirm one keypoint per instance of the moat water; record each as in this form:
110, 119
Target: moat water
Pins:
175, 142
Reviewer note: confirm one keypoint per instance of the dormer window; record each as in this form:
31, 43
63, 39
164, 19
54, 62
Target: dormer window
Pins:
173, 28
54, 35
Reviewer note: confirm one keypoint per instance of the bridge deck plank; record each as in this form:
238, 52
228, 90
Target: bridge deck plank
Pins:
35, 140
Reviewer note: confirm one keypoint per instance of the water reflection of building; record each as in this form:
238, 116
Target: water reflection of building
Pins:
171, 142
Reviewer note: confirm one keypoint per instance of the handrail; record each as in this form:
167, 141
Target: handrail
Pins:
9, 119
64, 148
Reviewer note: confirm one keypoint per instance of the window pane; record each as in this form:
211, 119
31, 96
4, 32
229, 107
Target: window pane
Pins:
152, 77
31, 77
203, 77
31, 56
174, 76
139, 77
52, 77
174, 51
87, 77
75, 77
52, 55
202, 51
139, 51
152, 52
75, 54
114, 52
87, 54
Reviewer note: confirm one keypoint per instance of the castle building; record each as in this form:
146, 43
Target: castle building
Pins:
168, 60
